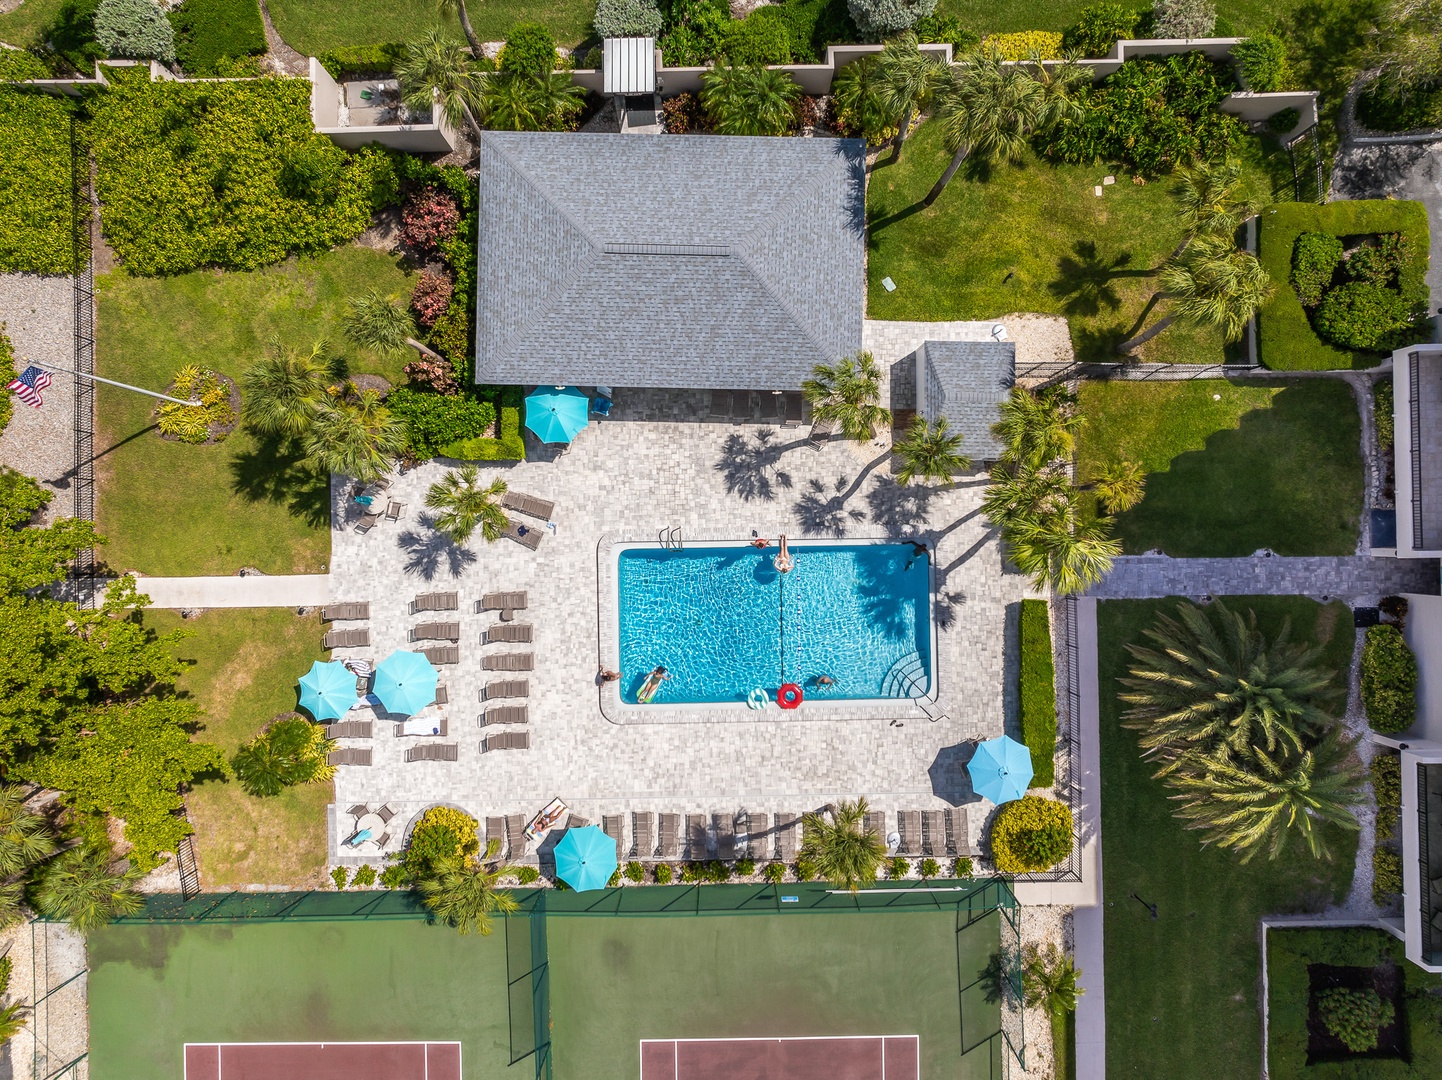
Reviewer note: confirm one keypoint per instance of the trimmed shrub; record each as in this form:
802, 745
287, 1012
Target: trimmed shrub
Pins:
17, 65
365, 877
530, 49
1183, 19
528, 875
1355, 1015
1361, 315
1281, 123
429, 217
745, 867
962, 870
1386, 874
1387, 779
210, 35
434, 421
774, 872
355, 61
757, 39
1100, 26
1038, 691
394, 877
340, 875
898, 866
431, 297
7, 401
134, 28
929, 869
1030, 835
805, 870
1383, 417
509, 444
1389, 680
1315, 258
34, 184
628, 18
1264, 64
635, 872
451, 336
443, 833
946, 29
664, 874
876, 19
1021, 45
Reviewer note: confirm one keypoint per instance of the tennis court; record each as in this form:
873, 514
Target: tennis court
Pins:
851, 1057
323, 1061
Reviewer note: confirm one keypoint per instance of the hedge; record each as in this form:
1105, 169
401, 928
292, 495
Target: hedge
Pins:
1038, 692
7, 375
210, 32
226, 174
1389, 680
435, 421
1286, 340
1030, 834
1291, 952
355, 61
34, 183
510, 445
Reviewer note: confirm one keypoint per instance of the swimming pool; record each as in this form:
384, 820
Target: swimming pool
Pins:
724, 622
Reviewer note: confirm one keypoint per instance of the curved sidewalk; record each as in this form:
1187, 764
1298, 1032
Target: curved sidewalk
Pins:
253, 590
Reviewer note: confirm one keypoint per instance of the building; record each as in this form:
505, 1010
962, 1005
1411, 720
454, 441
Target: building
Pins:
965, 384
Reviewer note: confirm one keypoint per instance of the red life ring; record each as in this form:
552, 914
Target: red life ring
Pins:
789, 696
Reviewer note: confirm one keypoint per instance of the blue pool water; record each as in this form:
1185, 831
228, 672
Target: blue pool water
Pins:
723, 621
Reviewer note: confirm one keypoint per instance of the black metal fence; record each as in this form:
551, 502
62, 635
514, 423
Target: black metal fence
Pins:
82, 483
1308, 167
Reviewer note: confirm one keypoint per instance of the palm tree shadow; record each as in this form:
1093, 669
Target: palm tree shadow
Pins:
274, 470
897, 508
825, 515
749, 466
426, 551
1083, 281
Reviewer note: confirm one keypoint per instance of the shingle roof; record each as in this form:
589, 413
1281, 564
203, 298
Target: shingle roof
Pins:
669, 261
966, 381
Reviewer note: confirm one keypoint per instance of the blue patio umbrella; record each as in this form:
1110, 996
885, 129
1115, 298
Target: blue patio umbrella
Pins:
1000, 769
327, 691
557, 416
405, 682
585, 858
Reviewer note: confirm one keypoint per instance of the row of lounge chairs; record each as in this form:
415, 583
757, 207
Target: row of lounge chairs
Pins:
786, 409
509, 633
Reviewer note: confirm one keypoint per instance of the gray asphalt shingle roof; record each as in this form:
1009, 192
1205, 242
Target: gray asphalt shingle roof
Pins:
669, 261
966, 382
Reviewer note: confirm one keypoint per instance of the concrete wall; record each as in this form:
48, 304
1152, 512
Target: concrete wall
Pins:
1424, 634
324, 97
1254, 107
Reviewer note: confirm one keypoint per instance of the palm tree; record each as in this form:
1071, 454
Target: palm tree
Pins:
12, 1021
847, 394
1214, 198
749, 100
855, 92
466, 506
1211, 683
436, 75
1212, 283
906, 81
519, 102
12, 899
843, 850
931, 452
25, 837
291, 751
355, 436
283, 391
1061, 549
380, 322
1049, 978
463, 892
1119, 487
78, 887
1038, 428
557, 97
1014, 495
1268, 796
458, 9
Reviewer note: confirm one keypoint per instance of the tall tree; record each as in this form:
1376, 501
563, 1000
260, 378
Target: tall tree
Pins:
1062, 549
382, 323
1119, 487
79, 887
847, 394
1212, 283
1038, 428
465, 506
906, 81
283, 391
844, 851
458, 9
355, 435
931, 452
749, 99
436, 75
464, 893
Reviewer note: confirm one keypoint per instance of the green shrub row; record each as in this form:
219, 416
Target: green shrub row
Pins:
509, 444
1038, 691
356, 61
1389, 680
1286, 340
434, 421
211, 34
17, 65
7, 376
1387, 106
1386, 875
34, 183
792, 31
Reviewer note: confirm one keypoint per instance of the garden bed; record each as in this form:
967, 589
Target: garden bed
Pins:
1038, 692
1387, 979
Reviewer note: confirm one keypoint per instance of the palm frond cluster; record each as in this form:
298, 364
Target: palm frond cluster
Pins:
846, 396
1047, 531
464, 506
464, 891
840, 847
1240, 728
290, 751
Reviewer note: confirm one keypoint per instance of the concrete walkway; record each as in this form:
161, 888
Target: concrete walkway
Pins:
253, 590
1344, 577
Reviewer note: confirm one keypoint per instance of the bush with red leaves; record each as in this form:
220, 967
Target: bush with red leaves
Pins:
431, 297
429, 217
428, 374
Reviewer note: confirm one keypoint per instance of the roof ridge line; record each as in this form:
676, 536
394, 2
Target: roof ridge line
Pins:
535, 185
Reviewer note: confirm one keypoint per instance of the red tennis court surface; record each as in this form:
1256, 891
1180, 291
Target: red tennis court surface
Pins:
323, 1061
861, 1057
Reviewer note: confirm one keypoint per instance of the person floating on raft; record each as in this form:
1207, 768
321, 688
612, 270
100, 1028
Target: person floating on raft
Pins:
652, 684
782, 560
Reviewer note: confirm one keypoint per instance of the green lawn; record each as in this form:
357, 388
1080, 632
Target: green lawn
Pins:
1274, 465
243, 667
1067, 252
1182, 990
26, 25
174, 509
1004, 16
313, 26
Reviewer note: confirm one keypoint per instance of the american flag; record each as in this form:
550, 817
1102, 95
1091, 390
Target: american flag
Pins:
28, 386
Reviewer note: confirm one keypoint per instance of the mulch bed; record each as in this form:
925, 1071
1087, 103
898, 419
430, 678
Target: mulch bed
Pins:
1388, 980
218, 432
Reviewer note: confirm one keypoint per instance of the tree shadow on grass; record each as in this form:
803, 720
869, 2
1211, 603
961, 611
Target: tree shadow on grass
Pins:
426, 551
273, 470
1083, 281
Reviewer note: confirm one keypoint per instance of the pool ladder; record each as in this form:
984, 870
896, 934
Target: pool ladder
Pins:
670, 538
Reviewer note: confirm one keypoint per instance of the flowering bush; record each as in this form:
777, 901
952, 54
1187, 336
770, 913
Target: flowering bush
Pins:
1021, 45
1030, 835
428, 374
431, 297
682, 114
443, 833
429, 217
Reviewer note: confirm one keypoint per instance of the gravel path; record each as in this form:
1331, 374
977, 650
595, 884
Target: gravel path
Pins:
39, 313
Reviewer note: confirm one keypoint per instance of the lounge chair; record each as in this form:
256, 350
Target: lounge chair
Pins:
505, 714
698, 841
506, 740
515, 836
349, 729
670, 825
820, 435
346, 639
933, 834
909, 827
394, 510
506, 688
740, 406
876, 823
442, 654
443, 696
367, 521
359, 810
788, 832
725, 836
496, 830
613, 825
349, 756
641, 847
720, 404
385, 838
385, 813
576, 821
434, 752
382, 484
508, 661
507, 603
758, 836
528, 504
436, 601
430, 631
339, 612
792, 407
511, 633
958, 835
526, 535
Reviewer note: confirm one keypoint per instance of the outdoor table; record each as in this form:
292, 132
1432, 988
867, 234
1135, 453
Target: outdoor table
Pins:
368, 828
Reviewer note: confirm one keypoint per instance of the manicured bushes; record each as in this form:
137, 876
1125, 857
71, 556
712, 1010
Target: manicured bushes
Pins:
1183, 18
509, 444
1361, 315
758, 39
353, 61
134, 28
17, 65
1315, 258
1038, 691
1099, 27
211, 35
1389, 680
529, 50
628, 18
1021, 45
7, 401
1264, 63
1030, 834
1287, 341
34, 183
1387, 779
443, 834
204, 174
877, 19
1386, 875
1355, 1015
365, 877
435, 421
429, 217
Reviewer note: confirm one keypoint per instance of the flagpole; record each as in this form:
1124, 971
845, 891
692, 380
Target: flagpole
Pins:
112, 382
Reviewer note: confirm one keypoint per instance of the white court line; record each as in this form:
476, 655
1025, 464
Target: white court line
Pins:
676, 1045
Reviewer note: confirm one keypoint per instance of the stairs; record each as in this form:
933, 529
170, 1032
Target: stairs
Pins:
907, 678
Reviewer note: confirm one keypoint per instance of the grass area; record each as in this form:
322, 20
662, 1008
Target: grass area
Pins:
1005, 16
314, 26
358, 981
1030, 237
171, 508
1274, 465
26, 25
243, 669
1182, 989
816, 974
1038, 692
